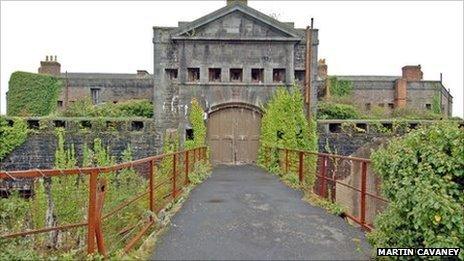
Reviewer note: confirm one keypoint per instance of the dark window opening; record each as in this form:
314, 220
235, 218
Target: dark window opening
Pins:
391, 105
299, 76
236, 75
278, 75
387, 126
59, 104
214, 74
60, 124
257, 75
193, 74
368, 106
114, 102
95, 95
413, 126
33, 124
189, 134
86, 124
361, 126
335, 127
381, 105
428, 106
171, 74
137, 125
10, 123
280, 134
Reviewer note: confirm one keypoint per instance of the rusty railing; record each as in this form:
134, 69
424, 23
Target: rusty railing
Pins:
162, 179
348, 181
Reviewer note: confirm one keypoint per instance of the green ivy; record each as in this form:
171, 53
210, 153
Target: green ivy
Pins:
195, 116
340, 88
339, 111
284, 125
131, 108
11, 136
31, 94
423, 178
436, 103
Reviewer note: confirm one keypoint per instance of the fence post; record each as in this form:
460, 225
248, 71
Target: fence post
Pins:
174, 170
187, 181
194, 156
286, 160
98, 224
205, 158
301, 167
363, 193
91, 215
323, 182
151, 173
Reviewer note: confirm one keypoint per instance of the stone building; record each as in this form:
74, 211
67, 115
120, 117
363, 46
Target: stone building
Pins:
100, 87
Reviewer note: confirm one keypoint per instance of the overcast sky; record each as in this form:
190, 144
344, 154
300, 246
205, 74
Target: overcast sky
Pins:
356, 38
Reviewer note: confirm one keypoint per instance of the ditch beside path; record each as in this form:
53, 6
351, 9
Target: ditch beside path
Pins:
242, 212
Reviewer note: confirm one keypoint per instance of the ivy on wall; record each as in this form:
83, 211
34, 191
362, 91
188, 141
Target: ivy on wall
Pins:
11, 136
195, 116
423, 179
130, 108
31, 94
340, 88
330, 110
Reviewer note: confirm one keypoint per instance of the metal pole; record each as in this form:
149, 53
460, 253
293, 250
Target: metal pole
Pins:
301, 167
363, 193
174, 170
187, 181
151, 173
286, 160
308, 69
91, 211
98, 221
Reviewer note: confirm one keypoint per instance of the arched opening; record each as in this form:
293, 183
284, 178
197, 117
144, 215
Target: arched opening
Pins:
233, 133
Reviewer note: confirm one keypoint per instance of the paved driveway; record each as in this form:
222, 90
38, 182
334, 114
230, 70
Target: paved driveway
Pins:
242, 212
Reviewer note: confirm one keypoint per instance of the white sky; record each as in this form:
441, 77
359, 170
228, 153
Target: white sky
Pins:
359, 38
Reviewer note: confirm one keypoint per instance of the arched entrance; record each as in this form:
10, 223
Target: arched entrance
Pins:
233, 133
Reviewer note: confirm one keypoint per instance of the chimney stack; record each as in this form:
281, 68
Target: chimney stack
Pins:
412, 73
322, 69
243, 2
50, 66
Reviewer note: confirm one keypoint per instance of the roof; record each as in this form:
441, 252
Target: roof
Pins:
364, 78
123, 80
286, 28
105, 75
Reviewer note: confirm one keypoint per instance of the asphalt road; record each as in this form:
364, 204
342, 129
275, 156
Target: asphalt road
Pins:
242, 212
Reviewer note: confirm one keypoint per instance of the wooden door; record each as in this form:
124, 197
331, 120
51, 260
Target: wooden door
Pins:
233, 134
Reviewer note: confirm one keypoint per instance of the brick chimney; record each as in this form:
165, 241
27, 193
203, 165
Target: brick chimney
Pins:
243, 2
412, 73
50, 66
322, 69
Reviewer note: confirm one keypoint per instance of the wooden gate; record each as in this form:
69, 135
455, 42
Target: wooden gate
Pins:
233, 135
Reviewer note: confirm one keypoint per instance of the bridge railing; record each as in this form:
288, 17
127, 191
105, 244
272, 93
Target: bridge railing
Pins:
348, 181
102, 209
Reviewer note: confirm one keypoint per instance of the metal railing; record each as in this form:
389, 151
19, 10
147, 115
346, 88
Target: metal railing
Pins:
348, 181
164, 178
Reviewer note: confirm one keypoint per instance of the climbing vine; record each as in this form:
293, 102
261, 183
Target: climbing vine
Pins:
31, 94
340, 88
11, 135
195, 116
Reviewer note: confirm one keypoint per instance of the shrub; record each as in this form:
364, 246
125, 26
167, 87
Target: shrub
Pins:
11, 136
415, 114
130, 108
329, 110
31, 94
198, 125
423, 177
340, 88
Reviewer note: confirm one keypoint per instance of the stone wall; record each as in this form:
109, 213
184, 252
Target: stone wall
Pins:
39, 149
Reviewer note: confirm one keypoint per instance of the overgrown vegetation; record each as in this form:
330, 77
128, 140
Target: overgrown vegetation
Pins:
197, 122
423, 178
284, 125
131, 108
340, 88
330, 110
11, 136
31, 94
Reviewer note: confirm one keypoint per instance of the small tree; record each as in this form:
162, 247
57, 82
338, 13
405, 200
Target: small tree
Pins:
195, 116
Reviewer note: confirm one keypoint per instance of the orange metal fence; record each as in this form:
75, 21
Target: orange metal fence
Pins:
100, 194
348, 181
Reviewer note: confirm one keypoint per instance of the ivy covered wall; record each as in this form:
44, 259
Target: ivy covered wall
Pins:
31, 94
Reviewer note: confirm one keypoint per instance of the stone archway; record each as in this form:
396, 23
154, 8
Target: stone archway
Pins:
233, 133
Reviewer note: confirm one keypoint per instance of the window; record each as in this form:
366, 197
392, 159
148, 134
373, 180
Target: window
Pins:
114, 102
193, 74
59, 104
236, 75
368, 106
299, 76
137, 125
381, 105
214, 74
189, 134
257, 75
391, 105
171, 74
95, 95
59, 124
278, 75
428, 106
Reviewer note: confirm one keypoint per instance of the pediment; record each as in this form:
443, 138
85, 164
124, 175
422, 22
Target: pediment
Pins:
236, 21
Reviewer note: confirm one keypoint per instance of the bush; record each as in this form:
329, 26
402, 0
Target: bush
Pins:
11, 136
130, 108
198, 125
329, 110
423, 178
31, 94
415, 114
340, 88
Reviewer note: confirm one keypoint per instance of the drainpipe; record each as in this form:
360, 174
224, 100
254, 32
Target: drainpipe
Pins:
308, 69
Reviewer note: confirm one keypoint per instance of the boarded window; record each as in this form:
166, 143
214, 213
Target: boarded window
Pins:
278, 75
193, 74
171, 74
236, 75
299, 76
257, 75
95, 95
214, 74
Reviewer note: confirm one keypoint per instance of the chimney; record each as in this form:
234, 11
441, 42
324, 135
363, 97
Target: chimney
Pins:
412, 72
50, 66
401, 93
322, 69
243, 2
142, 73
